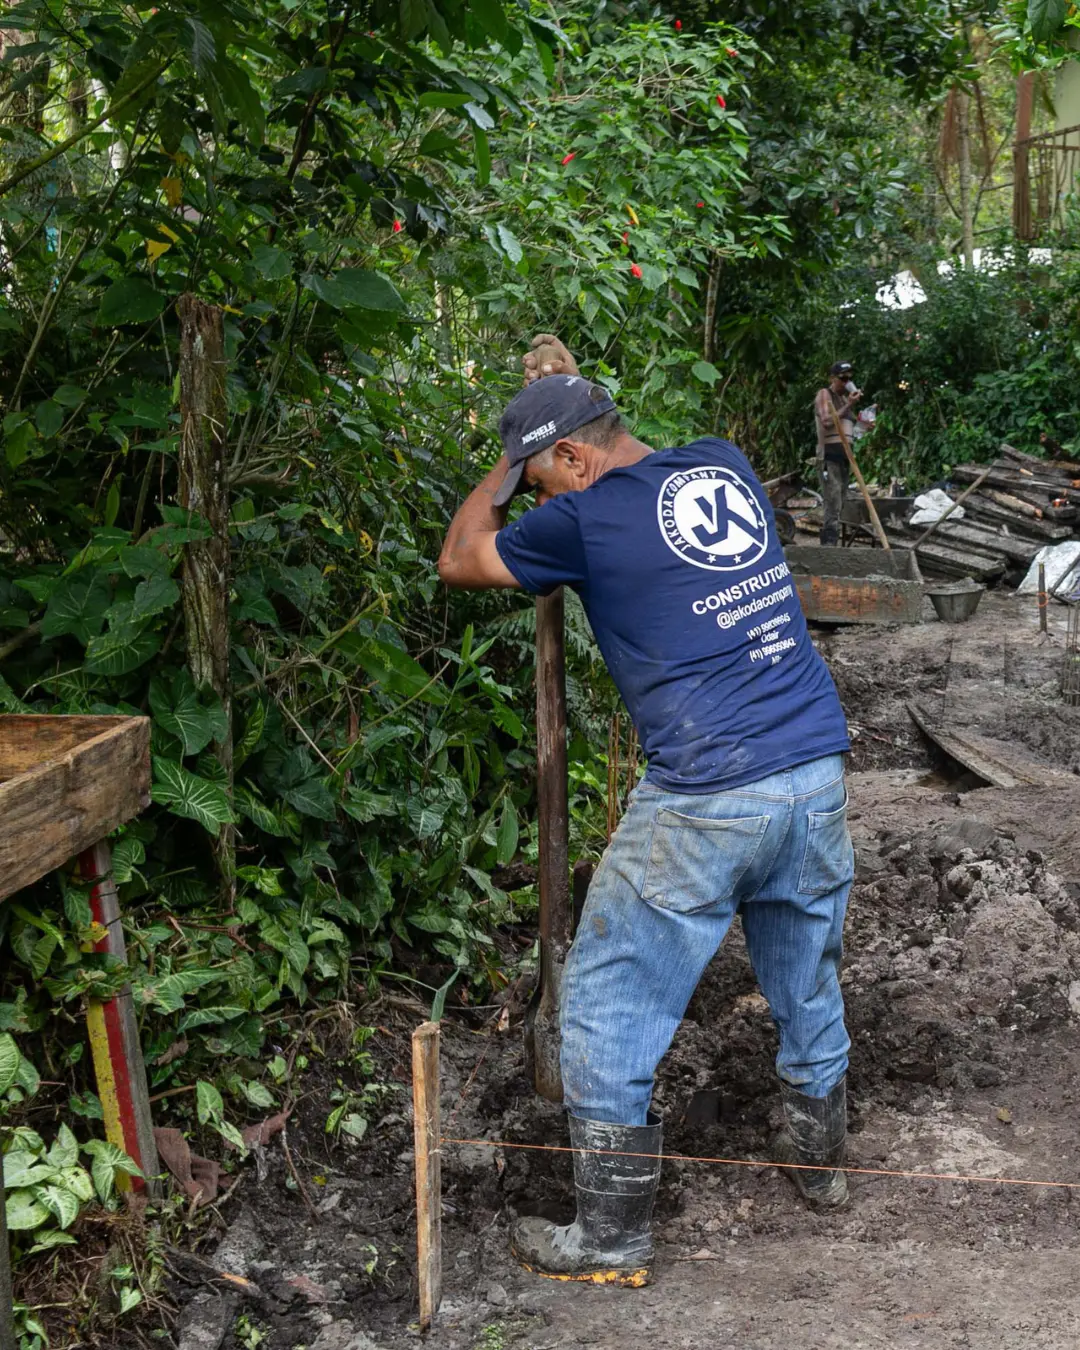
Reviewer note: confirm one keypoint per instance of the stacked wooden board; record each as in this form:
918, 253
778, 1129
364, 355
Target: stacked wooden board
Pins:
1020, 506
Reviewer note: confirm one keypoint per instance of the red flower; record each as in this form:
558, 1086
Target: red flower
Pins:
567, 158
626, 237
678, 25
721, 100
732, 53
701, 206
635, 271
397, 226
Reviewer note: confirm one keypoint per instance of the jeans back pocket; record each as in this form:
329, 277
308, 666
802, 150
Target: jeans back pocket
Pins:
829, 859
695, 862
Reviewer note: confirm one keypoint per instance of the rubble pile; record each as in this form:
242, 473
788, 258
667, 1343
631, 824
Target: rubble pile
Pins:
1020, 506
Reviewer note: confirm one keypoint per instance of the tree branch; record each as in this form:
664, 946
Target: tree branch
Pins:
113, 108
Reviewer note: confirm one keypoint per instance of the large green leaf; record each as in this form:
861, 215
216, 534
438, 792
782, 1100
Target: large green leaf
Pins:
108, 1161
23, 1168
186, 794
491, 17
312, 798
154, 595
130, 300
394, 669
24, 1211
9, 1061
126, 646
1046, 18
506, 838
257, 811
60, 1203
178, 710
356, 288
77, 605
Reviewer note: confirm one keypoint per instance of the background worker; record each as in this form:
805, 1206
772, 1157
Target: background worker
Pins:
743, 807
834, 471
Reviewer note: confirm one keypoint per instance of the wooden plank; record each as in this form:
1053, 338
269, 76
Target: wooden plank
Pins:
115, 1044
1022, 527
427, 1136
54, 811
28, 740
938, 557
995, 761
983, 540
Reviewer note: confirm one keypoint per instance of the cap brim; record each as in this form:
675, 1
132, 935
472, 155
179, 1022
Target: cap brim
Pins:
510, 484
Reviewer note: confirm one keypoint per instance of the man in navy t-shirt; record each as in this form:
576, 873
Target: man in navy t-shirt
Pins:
675, 556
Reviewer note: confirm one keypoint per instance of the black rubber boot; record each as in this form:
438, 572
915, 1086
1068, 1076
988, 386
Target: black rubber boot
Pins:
610, 1240
815, 1129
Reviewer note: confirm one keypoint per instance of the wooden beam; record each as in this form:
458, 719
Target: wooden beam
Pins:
115, 1044
427, 1135
54, 810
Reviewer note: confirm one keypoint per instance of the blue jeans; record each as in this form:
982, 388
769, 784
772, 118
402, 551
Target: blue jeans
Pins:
662, 900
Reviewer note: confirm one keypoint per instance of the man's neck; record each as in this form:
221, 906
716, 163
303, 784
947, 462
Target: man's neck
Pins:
628, 450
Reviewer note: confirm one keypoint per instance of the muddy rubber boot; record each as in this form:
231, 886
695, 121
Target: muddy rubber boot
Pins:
610, 1240
815, 1129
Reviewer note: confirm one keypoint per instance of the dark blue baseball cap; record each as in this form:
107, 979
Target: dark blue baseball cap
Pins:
543, 413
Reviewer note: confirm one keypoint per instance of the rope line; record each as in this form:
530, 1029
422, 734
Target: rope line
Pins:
752, 1162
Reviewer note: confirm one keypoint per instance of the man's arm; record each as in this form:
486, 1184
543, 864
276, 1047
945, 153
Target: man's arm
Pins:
469, 560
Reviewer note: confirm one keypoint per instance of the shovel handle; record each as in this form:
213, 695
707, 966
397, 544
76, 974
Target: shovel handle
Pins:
556, 914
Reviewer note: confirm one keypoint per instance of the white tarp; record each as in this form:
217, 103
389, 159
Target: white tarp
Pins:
1057, 559
932, 505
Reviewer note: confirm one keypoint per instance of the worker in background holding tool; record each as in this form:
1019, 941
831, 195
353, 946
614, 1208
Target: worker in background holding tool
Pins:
743, 806
834, 419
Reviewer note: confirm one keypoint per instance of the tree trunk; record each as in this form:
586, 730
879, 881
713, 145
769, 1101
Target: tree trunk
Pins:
1021, 203
963, 129
712, 292
204, 490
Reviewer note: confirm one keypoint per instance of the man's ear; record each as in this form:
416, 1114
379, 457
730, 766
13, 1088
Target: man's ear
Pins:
572, 454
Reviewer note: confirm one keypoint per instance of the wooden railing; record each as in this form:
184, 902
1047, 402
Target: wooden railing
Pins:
1046, 171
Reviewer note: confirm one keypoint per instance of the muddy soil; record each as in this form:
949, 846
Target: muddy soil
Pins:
962, 982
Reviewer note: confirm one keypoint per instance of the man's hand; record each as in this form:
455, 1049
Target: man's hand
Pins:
556, 360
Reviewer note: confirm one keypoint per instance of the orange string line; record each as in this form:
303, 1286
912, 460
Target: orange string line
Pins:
751, 1162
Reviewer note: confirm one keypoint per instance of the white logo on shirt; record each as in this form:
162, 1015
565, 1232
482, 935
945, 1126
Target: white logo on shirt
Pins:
711, 519
537, 432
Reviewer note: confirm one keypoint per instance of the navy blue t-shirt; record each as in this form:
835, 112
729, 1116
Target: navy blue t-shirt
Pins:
678, 565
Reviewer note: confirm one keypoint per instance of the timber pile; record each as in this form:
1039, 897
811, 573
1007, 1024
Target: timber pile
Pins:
1023, 504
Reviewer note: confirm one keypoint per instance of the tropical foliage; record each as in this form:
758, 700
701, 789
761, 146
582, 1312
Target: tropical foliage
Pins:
384, 202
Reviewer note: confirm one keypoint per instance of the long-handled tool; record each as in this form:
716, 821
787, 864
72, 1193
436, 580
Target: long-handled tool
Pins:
882, 538
556, 913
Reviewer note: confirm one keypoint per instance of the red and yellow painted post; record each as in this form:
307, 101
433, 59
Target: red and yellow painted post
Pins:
114, 1034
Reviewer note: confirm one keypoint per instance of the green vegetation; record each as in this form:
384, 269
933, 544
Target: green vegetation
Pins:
386, 201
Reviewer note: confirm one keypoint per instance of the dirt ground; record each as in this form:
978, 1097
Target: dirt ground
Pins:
962, 981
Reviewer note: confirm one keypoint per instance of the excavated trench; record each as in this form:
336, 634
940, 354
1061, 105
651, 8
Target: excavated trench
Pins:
962, 985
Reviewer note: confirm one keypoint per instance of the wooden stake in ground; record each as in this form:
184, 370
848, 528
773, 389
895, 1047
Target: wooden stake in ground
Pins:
204, 491
882, 539
1044, 601
427, 1133
113, 1030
